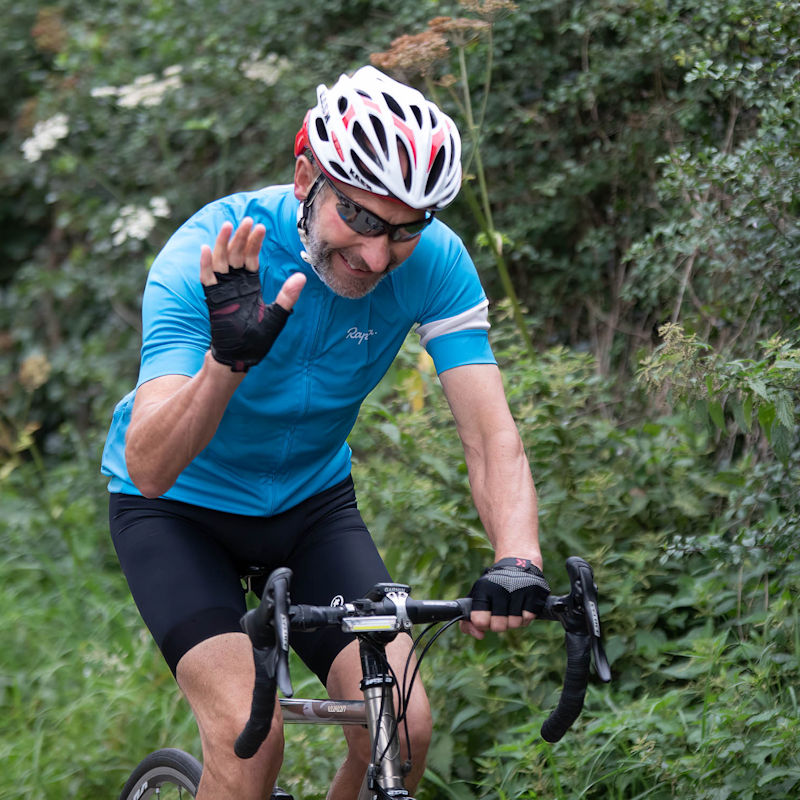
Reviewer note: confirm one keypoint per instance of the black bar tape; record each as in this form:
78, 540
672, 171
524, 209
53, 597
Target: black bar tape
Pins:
576, 678
262, 708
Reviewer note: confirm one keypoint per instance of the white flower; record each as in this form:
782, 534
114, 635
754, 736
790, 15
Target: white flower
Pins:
146, 90
104, 91
133, 222
267, 70
160, 207
45, 136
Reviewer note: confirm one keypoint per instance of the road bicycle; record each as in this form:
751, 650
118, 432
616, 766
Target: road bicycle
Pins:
374, 620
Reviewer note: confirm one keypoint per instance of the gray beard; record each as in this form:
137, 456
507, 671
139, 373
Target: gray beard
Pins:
320, 256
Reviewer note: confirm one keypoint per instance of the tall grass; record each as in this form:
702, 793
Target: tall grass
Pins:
696, 565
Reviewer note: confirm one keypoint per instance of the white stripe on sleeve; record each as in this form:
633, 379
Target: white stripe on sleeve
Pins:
475, 318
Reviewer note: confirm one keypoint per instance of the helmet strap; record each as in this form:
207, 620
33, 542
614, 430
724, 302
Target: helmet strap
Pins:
302, 223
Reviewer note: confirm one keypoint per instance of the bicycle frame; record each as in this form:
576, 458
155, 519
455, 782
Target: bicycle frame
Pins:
301, 711
384, 778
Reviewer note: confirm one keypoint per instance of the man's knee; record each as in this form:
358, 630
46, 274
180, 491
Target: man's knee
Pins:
217, 678
225, 775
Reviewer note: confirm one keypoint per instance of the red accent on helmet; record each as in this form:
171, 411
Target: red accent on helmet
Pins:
301, 140
408, 132
371, 104
336, 144
436, 144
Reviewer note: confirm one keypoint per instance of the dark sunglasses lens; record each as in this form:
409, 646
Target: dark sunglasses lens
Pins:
365, 223
360, 220
410, 230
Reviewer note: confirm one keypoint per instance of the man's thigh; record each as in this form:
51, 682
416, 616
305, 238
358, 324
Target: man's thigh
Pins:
184, 582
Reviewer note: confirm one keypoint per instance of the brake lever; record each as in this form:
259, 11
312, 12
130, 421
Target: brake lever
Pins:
582, 580
268, 626
587, 590
578, 612
282, 580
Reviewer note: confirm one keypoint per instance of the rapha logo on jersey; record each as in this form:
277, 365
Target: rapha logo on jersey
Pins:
359, 336
337, 601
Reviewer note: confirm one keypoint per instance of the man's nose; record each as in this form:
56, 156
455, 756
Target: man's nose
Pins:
376, 252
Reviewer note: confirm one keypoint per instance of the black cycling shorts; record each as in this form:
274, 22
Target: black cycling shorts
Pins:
185, 565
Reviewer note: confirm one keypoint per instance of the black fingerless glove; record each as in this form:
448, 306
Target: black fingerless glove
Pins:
509, 587
243, 328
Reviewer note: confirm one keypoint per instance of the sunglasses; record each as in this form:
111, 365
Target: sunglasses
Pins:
368, 224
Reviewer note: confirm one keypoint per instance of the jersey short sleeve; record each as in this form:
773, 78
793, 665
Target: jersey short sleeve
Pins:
175, 327
453, 312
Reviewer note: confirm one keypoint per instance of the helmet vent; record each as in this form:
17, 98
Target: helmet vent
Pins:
366, 171
322, 131
407, 173
334, 167
362, 140
395, 107
435, 170
417, 114
380, 132
342, 105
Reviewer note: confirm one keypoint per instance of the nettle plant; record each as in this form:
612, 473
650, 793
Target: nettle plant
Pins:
748, 396
439, 57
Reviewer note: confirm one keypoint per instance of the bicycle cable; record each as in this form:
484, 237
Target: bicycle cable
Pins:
404, 694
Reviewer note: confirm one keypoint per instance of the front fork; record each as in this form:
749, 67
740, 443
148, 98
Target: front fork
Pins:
385, 776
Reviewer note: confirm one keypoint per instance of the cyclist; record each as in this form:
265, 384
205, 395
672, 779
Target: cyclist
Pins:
231, 451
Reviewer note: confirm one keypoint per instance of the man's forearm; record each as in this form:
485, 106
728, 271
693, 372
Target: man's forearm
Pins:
173, 420
505, 497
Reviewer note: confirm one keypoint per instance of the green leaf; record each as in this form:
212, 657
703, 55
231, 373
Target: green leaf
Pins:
784, 409
200, 123
747, 412
781, 438
717, 414
758, 387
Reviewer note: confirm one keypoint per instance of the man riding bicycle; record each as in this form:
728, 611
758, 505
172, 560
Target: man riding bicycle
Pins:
231, 452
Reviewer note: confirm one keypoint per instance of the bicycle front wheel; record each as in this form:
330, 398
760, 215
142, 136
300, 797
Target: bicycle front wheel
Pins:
167, 774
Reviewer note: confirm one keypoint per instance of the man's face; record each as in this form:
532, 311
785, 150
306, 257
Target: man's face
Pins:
350, 263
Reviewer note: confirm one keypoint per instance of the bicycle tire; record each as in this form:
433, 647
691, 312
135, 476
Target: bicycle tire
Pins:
168, 768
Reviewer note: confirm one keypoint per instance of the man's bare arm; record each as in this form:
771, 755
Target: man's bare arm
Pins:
499, 474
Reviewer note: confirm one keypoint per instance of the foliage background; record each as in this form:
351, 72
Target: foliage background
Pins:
642, 166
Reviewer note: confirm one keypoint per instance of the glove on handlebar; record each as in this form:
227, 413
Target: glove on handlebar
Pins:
509, 587
243, 328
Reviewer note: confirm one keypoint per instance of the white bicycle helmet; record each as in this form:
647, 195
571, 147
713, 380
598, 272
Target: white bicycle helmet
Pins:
375, 133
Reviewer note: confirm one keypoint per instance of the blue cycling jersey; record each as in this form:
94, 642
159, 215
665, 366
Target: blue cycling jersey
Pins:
283, 436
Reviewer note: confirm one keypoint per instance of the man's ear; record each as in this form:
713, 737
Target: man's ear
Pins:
304, 177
